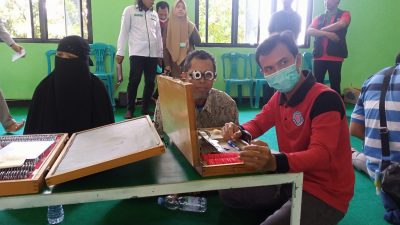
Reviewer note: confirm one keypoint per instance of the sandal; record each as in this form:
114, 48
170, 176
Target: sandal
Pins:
15, 127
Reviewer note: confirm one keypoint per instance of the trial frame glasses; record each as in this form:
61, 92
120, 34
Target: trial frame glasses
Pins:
207, 75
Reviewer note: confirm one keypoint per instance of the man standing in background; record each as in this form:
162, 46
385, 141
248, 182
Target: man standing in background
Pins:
286, 19
140, 27
330, 48
163, 13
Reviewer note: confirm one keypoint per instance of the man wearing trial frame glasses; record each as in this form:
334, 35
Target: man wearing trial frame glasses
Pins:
214, 108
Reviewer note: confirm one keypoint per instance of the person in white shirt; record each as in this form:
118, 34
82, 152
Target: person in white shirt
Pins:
6, 120
140, 28
6, 37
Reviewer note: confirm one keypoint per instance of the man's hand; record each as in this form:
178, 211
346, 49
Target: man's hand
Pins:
167, 70
258, 155
17, 48
160, 62
119, 59
120, 76
332, 36
231, 131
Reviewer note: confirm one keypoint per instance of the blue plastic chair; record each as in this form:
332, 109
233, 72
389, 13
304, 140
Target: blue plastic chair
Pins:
232, 76
259, 82
49, 56
308, 65
103, 56
307, 61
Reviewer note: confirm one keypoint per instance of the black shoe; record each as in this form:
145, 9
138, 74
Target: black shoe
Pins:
128, 114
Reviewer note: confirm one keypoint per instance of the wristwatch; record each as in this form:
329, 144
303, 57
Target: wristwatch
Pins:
246, 136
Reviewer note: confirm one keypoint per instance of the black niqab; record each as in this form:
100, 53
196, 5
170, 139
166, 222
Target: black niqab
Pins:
77, 46
70, 99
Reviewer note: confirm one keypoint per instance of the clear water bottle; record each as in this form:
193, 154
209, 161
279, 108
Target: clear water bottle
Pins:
55, 214
184, 203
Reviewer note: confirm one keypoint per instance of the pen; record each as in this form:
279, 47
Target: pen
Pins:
233, 145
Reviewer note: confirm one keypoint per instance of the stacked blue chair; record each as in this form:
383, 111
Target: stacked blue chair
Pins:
308, 65
259, 82
49, 56
103, 56
307, 61
231, 64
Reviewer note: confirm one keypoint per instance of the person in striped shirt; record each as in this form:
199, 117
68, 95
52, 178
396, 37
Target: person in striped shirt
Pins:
365, 121
365, 124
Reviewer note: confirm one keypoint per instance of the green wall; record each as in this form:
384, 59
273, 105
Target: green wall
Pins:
372, 39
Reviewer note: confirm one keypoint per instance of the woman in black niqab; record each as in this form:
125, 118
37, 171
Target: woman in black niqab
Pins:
70, 98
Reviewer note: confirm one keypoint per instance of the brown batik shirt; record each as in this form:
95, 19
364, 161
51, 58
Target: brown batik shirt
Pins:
219, 109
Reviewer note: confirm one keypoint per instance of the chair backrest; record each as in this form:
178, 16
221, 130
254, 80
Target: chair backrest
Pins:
232, 62
50, 54
103, 56
254, 67
307, 61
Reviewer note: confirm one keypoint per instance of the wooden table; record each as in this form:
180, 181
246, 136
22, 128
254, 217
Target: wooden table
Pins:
161, 175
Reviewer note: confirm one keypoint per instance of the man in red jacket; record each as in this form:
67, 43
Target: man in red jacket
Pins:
313, 138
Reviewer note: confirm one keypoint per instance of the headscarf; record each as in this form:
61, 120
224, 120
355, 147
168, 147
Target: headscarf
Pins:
179, 31
70, 98
77, 46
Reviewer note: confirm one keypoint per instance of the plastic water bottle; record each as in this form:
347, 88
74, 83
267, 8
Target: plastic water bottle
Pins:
184, 203
55, 214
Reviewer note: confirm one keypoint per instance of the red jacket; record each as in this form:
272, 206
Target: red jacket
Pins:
313, 138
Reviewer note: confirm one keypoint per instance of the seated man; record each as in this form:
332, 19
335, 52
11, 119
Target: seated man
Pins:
365, 124
69, 99
313, 138
214, 108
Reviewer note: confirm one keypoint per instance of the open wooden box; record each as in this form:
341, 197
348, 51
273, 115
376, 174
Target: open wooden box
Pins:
103, 148
179, 123
35, 180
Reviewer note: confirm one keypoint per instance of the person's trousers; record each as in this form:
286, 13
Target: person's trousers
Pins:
5, 117
392, 209
138, 65
313, 210
334, 70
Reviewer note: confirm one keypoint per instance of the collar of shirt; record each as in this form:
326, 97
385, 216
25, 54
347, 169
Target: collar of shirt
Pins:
208, 105
147, 10
300, 93
163, 25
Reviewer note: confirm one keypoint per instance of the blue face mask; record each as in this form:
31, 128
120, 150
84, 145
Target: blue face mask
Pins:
284, 80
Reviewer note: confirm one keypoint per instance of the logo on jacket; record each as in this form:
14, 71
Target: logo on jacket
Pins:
298, 118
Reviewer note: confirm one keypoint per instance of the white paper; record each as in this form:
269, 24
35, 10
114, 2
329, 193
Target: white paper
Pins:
18, 55
10, 163
15, 153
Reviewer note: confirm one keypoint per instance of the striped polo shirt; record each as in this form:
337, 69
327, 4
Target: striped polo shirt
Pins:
366, 112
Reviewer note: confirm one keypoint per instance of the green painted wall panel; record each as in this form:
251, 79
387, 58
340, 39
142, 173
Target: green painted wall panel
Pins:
373, 43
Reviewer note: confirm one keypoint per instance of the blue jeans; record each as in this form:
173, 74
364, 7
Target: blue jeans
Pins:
392, 214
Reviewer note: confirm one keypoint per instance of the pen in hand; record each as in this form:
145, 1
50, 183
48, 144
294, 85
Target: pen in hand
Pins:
233, 145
